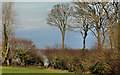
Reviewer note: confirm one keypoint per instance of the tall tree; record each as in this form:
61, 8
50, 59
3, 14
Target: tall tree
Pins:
8, 23
81, 22
94, 15
59, 17
99, 20
112, 12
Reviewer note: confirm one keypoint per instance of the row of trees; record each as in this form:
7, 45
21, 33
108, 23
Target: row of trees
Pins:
100, 18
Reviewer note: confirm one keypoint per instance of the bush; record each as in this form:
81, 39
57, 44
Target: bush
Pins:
26, 51
27, 57
101, 68
98, 68
83, 61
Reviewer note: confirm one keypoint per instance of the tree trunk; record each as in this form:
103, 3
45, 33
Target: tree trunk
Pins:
104, 37
84, 43
8, 62
111, 43
119, 45
63, 40
84, 39
6, 46
6, 56
116, 31
98, 39
119, 35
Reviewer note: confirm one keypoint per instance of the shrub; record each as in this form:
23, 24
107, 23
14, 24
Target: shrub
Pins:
102, 68
92, 61
98, 68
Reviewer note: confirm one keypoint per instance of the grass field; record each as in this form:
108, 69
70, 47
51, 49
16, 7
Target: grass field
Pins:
34, 70
29, 70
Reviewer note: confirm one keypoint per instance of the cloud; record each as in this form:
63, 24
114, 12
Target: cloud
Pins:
31, 27
49, 9
32, 16
29, 5
31, 24
34, 20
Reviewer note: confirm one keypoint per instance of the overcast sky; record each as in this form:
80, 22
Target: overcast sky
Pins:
33, 26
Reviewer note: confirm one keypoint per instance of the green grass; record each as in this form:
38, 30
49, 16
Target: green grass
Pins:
29, 70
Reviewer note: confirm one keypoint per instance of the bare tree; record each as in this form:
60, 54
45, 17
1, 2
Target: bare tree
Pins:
112, 10
94, 16
99, 21
59, 17
80, 20
8, 23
